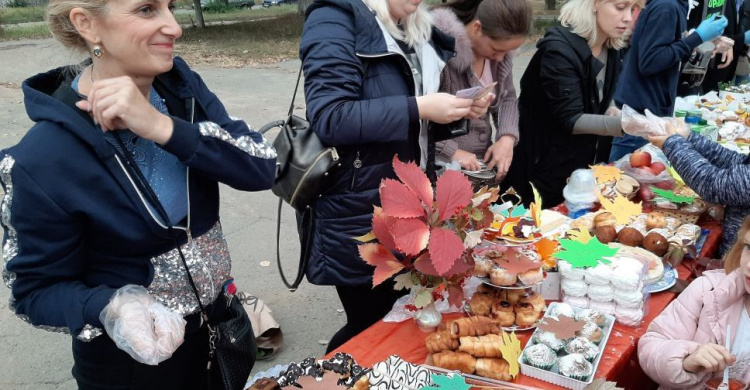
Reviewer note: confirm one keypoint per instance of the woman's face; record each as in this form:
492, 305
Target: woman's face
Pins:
137, 37
745, 262
494, 49
400, 9
613, 17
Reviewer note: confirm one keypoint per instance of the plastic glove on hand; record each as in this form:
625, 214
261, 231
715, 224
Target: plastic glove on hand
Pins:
141, 326
711, 28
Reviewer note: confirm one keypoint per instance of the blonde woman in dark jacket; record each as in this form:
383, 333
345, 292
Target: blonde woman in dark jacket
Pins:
486, 33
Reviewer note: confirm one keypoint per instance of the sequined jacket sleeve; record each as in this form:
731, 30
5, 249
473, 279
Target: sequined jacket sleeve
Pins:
41, 244
224, 149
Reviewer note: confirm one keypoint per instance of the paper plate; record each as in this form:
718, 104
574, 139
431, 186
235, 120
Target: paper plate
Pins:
517, 286
666, 282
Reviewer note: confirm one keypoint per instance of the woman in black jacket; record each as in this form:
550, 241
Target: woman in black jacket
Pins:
566, 121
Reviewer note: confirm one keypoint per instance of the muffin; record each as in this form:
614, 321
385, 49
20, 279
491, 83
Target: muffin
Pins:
562, 309
539, 356
575, 366
584, 347
549, 339
590, 315
592, 332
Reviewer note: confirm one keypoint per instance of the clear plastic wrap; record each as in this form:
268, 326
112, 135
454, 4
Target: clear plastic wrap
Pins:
647, 125
141, 326
645, 176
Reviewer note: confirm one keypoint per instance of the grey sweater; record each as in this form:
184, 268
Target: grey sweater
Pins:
717, 174
458, 75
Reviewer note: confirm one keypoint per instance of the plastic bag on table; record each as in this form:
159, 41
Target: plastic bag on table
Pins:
644, 175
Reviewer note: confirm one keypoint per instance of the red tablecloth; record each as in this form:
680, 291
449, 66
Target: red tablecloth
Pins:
619, 362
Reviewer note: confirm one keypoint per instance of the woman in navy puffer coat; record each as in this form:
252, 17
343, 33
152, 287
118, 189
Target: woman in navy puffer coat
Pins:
370, 87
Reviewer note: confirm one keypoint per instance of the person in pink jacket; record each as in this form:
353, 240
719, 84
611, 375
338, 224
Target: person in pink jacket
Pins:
684, 346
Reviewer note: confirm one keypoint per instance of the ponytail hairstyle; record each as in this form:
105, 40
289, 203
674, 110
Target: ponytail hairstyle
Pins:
500, 19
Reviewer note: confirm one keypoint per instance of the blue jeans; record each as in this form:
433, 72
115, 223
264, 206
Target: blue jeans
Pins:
624, 145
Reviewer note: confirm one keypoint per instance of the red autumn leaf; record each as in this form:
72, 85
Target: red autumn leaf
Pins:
414, 178
382, 259
456, 296
516, 262
411, 235
399, 201
381, 228
445, 249
453, 192
461, 266
424, 265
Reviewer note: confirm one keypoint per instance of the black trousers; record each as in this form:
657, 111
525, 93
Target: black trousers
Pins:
364, 306
99, 364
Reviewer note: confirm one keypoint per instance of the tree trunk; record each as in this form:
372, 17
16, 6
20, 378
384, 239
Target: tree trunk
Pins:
550, 4
199, 13
302, 6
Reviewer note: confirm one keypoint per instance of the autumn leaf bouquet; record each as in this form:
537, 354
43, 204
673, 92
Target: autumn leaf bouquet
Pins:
424, 236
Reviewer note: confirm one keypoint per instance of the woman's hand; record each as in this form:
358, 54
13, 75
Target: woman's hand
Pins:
659, 140
500, 155
708, 357
468, 161
117, 103
443, 107
479, 106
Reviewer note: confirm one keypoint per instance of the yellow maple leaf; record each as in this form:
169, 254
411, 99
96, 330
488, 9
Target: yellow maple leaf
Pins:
621, 208
676, 176
511, 349
536, 207
581, 235
605, 173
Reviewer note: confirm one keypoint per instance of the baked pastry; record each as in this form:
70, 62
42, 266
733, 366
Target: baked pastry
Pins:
630, 236
513, 296
503, 313
481, 304
549, 339
629, 299
601, 292
493, 368
604, 219
590, 315
460, 361
655, 220
482, 346
568, 272
673, 223
639, 225
605, 234
534, 300
526, 315
579, 302
501, 277
562, 309
482, 266
574, 288
487, 290
656, 243
592, 332
583, 346
531, 277
585, 223
539, 356
603, 307
629, 316
575, 366
601, 274
473, 326
440, 341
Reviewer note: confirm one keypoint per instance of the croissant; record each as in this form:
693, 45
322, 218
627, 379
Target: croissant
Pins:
493, 368
440, 341
482, 346
502, 312
481, 304
450, 360
474, 326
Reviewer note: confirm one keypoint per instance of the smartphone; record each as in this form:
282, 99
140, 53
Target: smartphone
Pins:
477, 92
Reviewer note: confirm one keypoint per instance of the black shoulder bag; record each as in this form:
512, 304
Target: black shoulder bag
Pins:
304, 165
232, 347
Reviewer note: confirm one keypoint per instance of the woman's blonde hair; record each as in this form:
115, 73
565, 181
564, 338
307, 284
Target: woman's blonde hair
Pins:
415, 29
734, 254
580, 17
57, 16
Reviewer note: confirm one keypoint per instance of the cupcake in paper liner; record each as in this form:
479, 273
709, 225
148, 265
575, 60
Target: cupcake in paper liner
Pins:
549, 339
591, 315
592, 332
583, 346
575, 366
539, 356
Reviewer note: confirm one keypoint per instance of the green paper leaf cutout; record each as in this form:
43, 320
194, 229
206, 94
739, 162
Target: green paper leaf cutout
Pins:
518, 211
672, 197
444, 382
581, 255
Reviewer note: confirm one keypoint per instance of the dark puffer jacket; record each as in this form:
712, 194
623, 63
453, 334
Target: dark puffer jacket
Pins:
360, 93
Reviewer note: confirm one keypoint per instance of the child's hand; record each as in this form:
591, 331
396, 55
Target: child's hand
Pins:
708, 357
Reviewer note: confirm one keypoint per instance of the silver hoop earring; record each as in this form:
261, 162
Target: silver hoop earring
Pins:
97, 51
